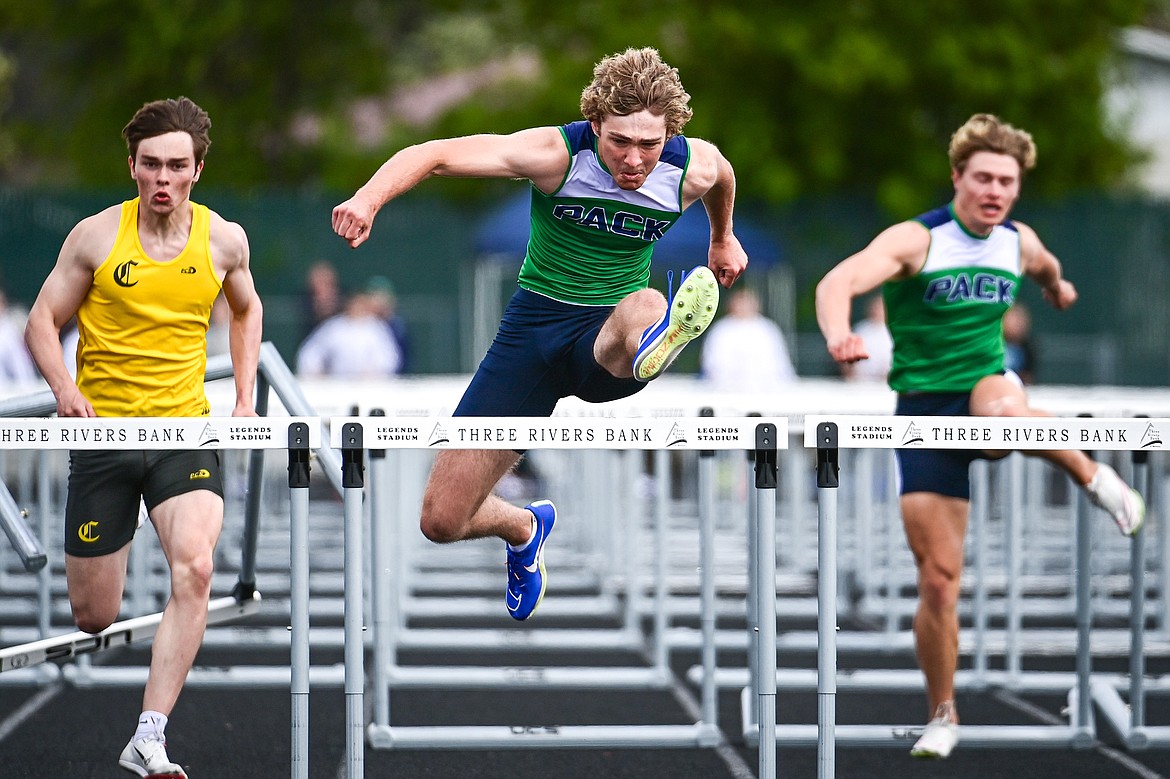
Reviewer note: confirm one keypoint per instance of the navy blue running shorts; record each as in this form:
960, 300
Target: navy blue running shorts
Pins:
101, 511
941, 471
542, 352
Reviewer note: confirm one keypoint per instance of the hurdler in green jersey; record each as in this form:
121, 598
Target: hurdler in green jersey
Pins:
948, 277
591, 240
946, 318
582, 322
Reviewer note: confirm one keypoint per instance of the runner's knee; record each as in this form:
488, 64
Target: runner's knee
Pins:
93, 618
999, 396
938, 587
192, 577
442, 525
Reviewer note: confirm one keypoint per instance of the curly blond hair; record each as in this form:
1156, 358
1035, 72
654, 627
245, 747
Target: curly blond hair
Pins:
987, 132
637, 80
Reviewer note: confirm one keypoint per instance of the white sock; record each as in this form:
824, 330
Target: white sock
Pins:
151, 724
527, 543
1095, 482
1104, 490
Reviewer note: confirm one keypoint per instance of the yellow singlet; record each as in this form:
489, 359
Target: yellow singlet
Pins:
142, 349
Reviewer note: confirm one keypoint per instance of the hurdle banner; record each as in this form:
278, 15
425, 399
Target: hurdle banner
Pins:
702, 433
967, 432
152, 432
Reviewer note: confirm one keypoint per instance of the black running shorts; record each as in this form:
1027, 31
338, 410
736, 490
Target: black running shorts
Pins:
105, 487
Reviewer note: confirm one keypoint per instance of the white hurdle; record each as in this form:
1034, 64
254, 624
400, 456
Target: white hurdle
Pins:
353, 435
296, 434
827, 434
1130, 720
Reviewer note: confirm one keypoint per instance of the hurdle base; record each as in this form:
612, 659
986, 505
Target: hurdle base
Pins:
749, 716
1120, 717
34, 676
479, 640
907, 680
561, 678
1143, 738
904, 736
231, 677
573, 607
544, 737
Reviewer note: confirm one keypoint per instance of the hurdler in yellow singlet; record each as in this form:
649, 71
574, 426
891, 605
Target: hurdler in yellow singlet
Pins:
142, 348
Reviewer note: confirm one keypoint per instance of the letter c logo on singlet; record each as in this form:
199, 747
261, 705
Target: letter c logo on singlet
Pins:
88, 532
122, 274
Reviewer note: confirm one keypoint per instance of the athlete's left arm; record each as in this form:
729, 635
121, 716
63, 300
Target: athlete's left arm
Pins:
229, 247
710, 178
1041, 265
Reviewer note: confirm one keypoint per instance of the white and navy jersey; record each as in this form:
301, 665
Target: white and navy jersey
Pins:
590, 240
946, 319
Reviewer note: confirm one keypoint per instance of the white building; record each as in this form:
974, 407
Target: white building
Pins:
1139, 99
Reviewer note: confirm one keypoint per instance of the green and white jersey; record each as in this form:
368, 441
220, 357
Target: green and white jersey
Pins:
591, 241
946, 319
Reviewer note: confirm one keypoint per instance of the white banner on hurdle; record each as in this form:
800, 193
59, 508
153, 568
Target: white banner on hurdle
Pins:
559, 432
153, 432
945, 432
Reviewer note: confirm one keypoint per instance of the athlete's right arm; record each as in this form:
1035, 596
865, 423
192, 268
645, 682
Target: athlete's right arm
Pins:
897, 251
538, 154
61, 295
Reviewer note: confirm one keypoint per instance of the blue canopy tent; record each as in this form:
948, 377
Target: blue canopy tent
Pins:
501, 241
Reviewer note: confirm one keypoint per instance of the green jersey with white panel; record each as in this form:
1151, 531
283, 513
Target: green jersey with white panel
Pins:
591, 241
946, 320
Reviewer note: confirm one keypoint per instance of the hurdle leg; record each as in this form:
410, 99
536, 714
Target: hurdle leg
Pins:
352, 483
766, 597
298, 483
978, 525
661, 553
710, 716
1081, 696
827, 484
45, 572
247, 582
1129, 721
1163, 554
380, 583
26, 545
751, 608
1137, 610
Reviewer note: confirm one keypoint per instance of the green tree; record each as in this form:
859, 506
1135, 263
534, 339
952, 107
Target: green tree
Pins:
271, 75
822, 96
805, 98
7, 74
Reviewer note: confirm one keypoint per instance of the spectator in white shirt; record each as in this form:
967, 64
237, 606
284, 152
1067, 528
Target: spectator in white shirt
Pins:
744, 351
16, 365
354, 344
